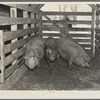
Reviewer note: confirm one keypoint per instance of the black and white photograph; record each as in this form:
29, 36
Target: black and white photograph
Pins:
52, 46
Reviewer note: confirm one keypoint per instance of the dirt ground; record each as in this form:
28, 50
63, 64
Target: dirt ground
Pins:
60, 77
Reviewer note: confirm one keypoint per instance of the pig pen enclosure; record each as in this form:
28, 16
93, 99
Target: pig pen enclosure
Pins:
20, 22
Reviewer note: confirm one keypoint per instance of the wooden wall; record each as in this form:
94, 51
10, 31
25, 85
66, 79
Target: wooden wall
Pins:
18, 25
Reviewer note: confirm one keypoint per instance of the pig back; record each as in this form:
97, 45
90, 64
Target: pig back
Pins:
67, 48
35, 47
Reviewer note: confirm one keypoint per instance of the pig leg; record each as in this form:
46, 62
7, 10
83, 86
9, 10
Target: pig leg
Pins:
38, 68
48, 62
70, 62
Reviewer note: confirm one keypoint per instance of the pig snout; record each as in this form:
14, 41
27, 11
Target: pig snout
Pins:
31, 62
51, 55
34, 52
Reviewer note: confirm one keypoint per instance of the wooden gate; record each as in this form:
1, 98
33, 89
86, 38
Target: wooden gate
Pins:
83, 35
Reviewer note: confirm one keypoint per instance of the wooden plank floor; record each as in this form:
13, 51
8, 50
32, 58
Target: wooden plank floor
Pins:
60, 77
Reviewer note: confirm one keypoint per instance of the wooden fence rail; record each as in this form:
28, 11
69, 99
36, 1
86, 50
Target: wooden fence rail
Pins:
67, 13
69, 22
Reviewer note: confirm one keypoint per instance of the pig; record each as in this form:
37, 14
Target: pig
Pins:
72, 52
34, 52
51, 53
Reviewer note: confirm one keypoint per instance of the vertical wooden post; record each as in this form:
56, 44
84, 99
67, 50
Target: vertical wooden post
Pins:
25, 26
13, 13
40, 23
32, 25
35, 25
65, 28
93, 32
97, 18
2, 56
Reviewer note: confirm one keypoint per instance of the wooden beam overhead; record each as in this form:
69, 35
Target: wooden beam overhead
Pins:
37, 6
40, 6
33, 5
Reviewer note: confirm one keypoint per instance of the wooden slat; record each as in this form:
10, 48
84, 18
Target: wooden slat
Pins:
69, 22
53, 37
15, 45
80, 29
83, 40
53, 28
19, 33
68, 13
51, 34
85, 45
14, 56
2, 57
13, 78
13, 68
73, 35
80, 35
23, 7
10, 20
